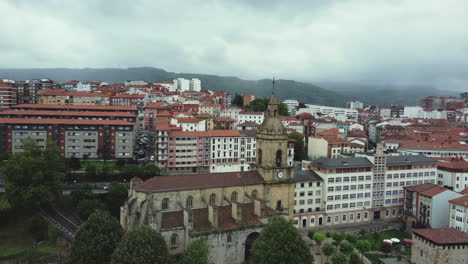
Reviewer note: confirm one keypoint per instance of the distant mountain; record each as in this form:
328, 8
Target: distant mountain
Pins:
384, 94
333, 95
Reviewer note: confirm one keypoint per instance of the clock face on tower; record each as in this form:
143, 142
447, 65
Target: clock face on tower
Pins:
279, 174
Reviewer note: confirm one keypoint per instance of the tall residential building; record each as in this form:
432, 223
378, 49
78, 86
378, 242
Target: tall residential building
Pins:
195, 84
27, 92
182, 84
355, 105
7, 95
292, 105
459, 213
341, 114
74, 137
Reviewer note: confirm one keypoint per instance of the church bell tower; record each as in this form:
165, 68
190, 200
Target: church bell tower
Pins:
272, 154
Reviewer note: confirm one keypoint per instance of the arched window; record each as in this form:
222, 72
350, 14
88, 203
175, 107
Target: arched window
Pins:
165, 204
259, 156
229, 238
234, 197
275, 113
189, 202
254, 194
213, 199
174, 240
279, 154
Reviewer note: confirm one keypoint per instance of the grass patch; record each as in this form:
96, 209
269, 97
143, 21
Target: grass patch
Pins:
376, 238
112, 164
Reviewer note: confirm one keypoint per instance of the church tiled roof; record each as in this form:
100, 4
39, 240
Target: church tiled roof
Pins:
173, 183
201, 223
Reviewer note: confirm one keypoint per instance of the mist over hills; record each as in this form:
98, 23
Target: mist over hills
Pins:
327, 93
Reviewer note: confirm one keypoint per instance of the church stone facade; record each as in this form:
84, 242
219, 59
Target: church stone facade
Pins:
229, 209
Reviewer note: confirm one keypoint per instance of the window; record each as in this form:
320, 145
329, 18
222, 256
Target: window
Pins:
189, 202
165, 204
234, 197
213, 199
229, 238
254, 194
174, 240
279, 153
259, 156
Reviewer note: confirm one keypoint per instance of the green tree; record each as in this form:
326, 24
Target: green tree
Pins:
283, 109
261, 105
131, 170
280, 242
150, 170
87, 207
339, 258
363, 246
299, 152
354, 258
328, 250
38, 228
34, 177
142, 245
238, 100
319, 237
198, 252
310, 234
346, 247
91, 170
338, 237
352, 238
96, 239
120, 163
116, 195
74, 163
81, 191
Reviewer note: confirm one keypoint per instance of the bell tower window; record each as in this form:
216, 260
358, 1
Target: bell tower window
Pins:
259, 156
279, 154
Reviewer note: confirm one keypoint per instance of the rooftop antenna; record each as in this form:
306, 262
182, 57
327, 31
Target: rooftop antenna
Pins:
273, 87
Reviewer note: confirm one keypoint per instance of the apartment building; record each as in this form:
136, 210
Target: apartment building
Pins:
453, 174
75, 137
331, 147
132, 100
292, 105
27, 90
459, 213
61, 114
7, 95
245, 116
231, 112
308, 197
64, 97
189, 123
84, 108
188, 152
366, 188
161, 143
342, 114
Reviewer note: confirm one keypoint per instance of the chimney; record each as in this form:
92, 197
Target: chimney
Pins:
188, 219
236, 211
259, 207
213, 215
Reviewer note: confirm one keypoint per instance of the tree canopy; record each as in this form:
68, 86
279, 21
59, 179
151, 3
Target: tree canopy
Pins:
260, 105
280, 242
198, 252
96, 239
116, 195
34, 177
339, 258
328, 250
346, 247
299, 152
237, 100
142, 245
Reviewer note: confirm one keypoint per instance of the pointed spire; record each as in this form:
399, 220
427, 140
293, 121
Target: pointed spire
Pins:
273, 99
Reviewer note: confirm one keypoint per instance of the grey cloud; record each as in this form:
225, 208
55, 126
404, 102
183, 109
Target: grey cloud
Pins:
421, 42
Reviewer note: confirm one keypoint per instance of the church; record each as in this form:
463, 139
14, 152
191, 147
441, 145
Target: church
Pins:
228, 209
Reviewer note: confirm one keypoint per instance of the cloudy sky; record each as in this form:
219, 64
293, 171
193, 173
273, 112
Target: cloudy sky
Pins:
365, 41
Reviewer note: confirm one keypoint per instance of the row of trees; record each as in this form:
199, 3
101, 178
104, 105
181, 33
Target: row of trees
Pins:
101, 240
342, 248
258, 105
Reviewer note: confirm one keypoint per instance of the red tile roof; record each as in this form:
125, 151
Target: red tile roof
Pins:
249, 124
87, 107
131, 96
224, 119
53, 121
434, 191
421, 187
465, 191
188, 120
65, 113
250, 113
174, 183
331, 132
189, 134
463, 201
443, 235
224, 133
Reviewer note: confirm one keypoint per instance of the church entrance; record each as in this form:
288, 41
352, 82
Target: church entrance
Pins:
376, 215
248, 245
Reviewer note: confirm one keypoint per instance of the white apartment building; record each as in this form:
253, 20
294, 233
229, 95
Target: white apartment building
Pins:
195, 84
434, 206
232, 150
189, 123
355, 105
182, 84
419, 112
292, 105
231, 112
459, 213
308, 197
342, 114
364, 188
256, 117
453, 174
